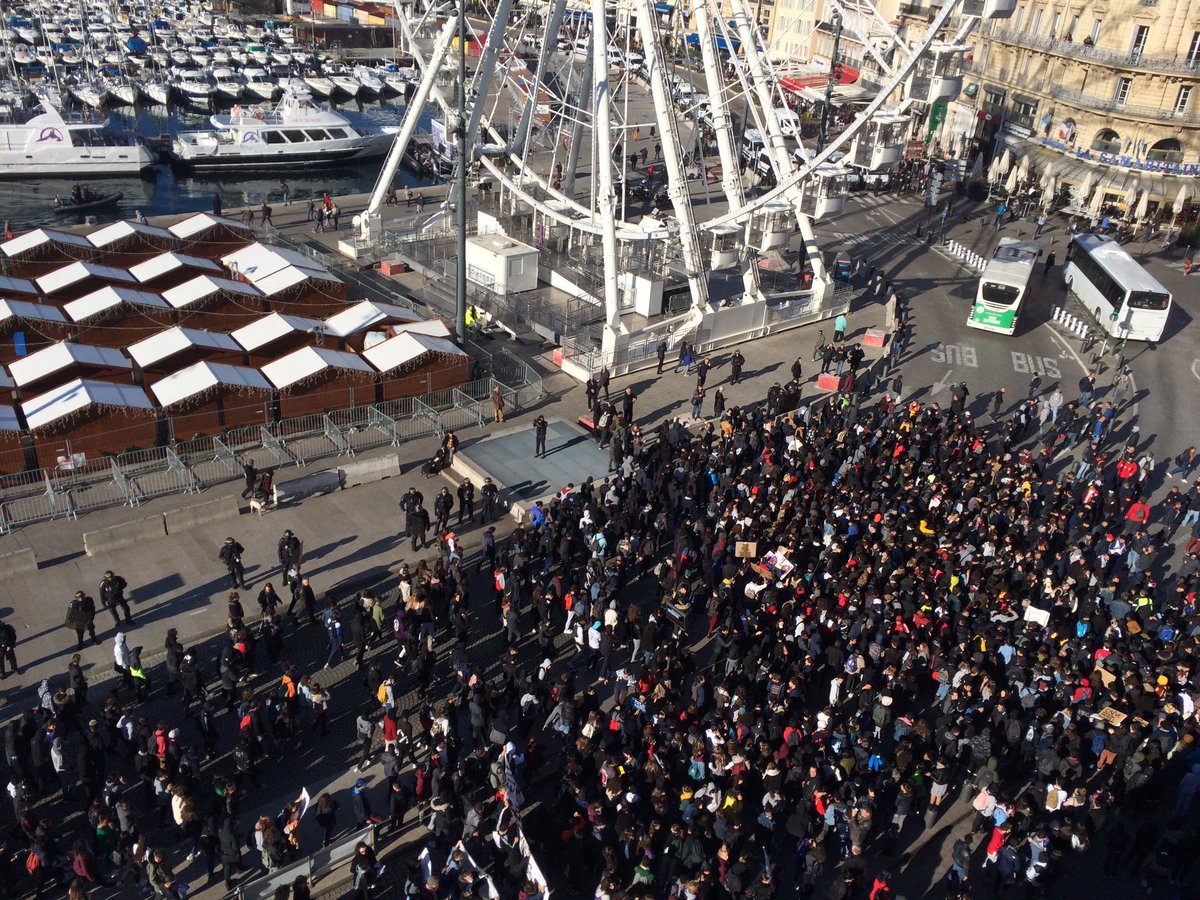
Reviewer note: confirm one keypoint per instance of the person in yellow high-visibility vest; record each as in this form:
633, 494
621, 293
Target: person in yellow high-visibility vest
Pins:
470, 317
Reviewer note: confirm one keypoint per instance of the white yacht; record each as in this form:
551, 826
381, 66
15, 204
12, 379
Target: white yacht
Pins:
258, 83
372, 84
121, 90
295, 132
92, 95
50, 145
344, 82
157, 92
194, 86
229, 84
320, 85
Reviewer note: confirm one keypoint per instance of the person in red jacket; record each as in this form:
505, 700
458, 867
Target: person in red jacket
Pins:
882, 888
1138, 515
998, 839
389, 731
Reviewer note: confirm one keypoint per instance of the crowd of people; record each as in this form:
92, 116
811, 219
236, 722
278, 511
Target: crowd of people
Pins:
762, 655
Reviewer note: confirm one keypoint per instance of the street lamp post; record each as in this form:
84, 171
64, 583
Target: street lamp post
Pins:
460, 270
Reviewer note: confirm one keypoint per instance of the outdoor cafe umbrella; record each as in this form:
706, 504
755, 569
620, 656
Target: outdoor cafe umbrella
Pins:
1143, 205
1023, 168
1097, 202
1049, 192
1005, 161
1047, 176
1011, 184
994, 170
1180, 199
1084, 188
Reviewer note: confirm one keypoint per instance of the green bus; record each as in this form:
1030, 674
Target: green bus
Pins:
1003, 286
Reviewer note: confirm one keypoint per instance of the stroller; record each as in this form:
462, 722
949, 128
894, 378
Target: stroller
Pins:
436, 464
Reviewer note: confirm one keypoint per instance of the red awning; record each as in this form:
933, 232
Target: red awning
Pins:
796, 85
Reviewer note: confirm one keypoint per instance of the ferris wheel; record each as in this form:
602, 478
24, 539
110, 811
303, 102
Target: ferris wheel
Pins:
601, 125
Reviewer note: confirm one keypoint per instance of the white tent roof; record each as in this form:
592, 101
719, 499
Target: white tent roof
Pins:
8, 419
73, 273
81, 393
307, 361
274, 269
19, 309
31, 240
431, 327
10, 285
291, 276
108, 297
194, 225
191, 292
63, 355
405, 347
363, 315
160, 265
259, 259
188, 382
167, 343
271, 327
118, 231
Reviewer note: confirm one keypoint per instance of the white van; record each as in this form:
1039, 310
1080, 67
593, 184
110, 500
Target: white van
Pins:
752, 144
682, 94
789, 122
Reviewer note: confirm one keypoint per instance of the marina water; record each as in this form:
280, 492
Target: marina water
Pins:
161, 191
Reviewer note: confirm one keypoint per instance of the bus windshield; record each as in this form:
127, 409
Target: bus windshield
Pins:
1148, 300
999, 294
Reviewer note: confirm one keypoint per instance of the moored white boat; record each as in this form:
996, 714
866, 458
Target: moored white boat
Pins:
47, 144
371, 82
295, 133
228, 84
259, 84
320, 86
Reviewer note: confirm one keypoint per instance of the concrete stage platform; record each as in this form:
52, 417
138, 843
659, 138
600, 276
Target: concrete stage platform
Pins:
507, 457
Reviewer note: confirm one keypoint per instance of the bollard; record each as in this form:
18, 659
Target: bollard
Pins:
1054, 312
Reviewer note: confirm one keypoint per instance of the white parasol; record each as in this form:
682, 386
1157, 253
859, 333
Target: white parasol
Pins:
1049, 192
1023, 168
994, 170
1097, 201
1180, 199
1005, 161
1011, 184
1083, 189
1143, 205
1047, 176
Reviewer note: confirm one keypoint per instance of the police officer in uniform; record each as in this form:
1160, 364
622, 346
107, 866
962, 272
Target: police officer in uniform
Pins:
81, 616
231, 555
112, 596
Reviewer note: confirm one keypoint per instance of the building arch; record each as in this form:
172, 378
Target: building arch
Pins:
1166, 150
1107, 141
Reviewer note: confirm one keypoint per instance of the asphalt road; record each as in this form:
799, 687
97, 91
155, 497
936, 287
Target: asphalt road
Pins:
942, 350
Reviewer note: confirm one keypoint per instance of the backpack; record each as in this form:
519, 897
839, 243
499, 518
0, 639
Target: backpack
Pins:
381, 694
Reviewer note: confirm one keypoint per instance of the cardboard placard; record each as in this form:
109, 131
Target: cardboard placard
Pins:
1107, 678
1038, 616
1112, 716
746, 549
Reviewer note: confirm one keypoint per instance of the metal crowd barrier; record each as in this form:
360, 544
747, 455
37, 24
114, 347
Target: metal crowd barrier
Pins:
313, 867
130, 478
